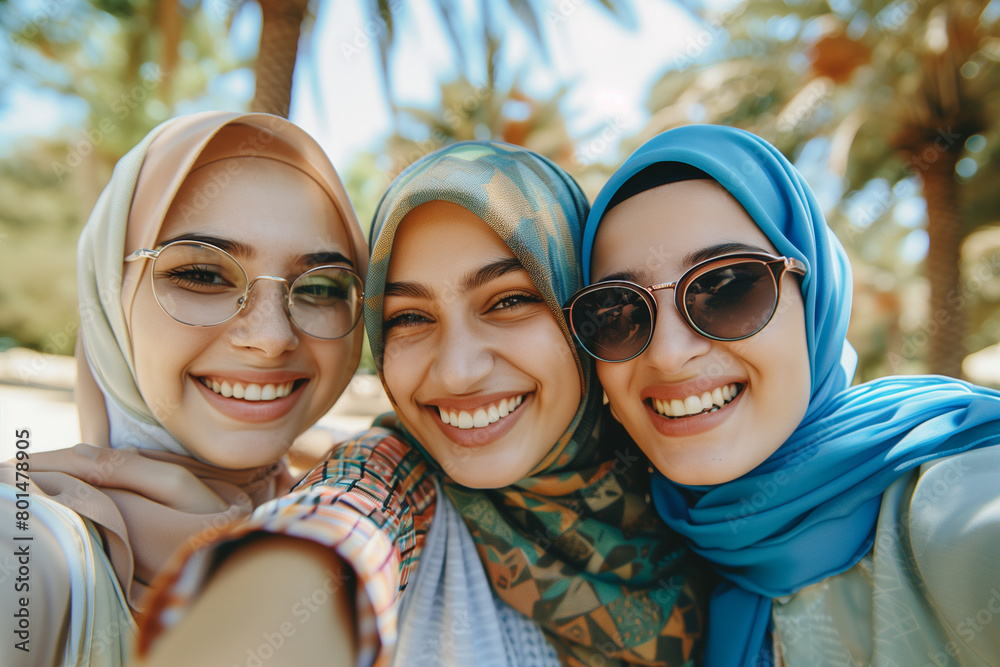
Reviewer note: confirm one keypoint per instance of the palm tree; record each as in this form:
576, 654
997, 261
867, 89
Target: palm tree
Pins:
897, 88
122, 61
936, 118
282, 27
468, 111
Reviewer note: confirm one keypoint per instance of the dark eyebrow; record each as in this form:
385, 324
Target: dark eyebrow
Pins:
229, 245
328, 257
693, 258
491, 271
410, 289
472, 280
630, 276
726, 248
240, 249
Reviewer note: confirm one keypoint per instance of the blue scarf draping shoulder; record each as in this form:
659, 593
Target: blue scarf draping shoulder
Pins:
810, 510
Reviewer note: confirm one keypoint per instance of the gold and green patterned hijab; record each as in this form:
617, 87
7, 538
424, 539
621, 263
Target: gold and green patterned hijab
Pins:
574, 545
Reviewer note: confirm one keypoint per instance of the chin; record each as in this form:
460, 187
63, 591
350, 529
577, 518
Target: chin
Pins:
484, 476
701, 471
242, 453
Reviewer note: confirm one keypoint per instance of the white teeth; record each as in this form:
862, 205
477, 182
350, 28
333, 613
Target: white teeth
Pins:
480, 417
717, 398
708, 401
250, 391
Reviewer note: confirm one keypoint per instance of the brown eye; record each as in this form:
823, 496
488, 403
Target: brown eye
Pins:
407, 318
515, 300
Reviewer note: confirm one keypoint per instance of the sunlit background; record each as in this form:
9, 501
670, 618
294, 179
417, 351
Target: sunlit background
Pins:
889, 108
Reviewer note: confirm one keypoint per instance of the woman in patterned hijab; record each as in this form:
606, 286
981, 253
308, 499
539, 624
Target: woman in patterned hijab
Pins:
567, 538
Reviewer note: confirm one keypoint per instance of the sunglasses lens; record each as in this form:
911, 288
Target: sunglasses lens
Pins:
197, 284
732, 301
612, 323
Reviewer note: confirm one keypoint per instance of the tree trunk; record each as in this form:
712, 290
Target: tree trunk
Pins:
281, 26
945, 325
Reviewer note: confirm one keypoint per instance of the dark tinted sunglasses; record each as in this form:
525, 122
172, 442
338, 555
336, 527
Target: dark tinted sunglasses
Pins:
725, 298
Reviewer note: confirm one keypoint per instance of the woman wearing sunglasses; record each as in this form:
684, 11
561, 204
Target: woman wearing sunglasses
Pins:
220, 287
850, 525
542, 549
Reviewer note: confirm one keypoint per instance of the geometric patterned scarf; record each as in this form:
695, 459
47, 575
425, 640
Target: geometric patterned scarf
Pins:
574, 546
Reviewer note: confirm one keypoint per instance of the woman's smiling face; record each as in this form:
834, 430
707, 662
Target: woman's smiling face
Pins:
275, 221
764, 381
474, 359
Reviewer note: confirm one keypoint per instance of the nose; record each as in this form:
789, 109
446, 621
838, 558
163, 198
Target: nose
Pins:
264, 324
463, 359
674, 343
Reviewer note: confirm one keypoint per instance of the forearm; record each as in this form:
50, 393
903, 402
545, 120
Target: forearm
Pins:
282, 599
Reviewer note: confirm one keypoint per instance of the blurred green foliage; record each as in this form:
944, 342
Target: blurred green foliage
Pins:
132, 64
875, 102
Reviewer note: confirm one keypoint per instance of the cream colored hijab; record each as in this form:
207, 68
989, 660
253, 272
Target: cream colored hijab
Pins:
128, 216
139, 531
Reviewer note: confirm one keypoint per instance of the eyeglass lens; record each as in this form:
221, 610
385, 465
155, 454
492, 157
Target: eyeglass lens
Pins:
730, 302
200, 285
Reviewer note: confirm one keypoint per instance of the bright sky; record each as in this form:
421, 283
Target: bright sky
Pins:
338, 95
609, 66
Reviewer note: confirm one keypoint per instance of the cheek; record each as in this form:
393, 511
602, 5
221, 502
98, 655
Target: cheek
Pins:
569, 389
161, 363
160, 348
548, 356
615, 380
786, 355
400, 373
331, 359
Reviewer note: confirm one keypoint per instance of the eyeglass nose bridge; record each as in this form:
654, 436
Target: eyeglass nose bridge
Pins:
245, 300
662, 286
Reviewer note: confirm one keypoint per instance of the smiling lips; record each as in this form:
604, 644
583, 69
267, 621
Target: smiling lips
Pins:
483, 416
248, 391
706, 402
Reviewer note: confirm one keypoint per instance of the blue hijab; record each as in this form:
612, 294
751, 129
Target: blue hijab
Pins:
809, 511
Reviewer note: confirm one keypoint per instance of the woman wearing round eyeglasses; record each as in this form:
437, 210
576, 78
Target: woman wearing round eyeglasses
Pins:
850, 525
220, 279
